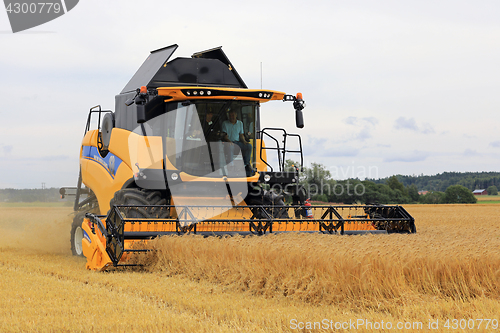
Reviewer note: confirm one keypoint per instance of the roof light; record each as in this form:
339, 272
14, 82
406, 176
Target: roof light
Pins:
299, 95
144, 90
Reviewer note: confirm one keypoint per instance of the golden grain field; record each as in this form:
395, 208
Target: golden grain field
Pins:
449, 270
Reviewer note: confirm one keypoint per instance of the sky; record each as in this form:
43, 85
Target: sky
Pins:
391, 87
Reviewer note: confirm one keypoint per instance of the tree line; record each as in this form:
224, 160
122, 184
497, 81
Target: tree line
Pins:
30, 195
319, 186
441, 181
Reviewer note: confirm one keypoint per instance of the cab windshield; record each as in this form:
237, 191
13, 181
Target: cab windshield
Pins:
209, 138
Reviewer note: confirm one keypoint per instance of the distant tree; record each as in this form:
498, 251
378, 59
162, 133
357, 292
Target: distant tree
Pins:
385, 194
395, 184
371, 194
320, 197
290, 165
317, 174
413, 192
433, 197
28, 197
459, 194
492, 190
347, 191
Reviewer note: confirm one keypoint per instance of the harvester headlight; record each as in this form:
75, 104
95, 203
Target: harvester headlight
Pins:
195, 92
201, 92
267, 178
174, 176
260, 94
209, 93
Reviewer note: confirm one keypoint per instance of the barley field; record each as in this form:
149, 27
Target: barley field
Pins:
445, 277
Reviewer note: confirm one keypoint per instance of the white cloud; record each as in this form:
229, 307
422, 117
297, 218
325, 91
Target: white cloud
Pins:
495, 144
7, 150
471, 153
403, 123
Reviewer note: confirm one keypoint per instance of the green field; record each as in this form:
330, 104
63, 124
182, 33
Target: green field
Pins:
488, 199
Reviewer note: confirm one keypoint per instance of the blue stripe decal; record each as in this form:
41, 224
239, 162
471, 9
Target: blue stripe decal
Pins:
86, 236
111, 162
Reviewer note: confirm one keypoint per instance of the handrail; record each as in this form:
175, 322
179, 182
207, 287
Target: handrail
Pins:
281, 150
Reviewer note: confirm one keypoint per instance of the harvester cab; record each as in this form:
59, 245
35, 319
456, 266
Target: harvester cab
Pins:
184, 152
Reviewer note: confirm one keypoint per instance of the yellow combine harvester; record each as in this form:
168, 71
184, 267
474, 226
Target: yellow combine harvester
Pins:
184, 152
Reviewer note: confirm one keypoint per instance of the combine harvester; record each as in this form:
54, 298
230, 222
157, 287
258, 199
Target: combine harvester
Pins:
184, 153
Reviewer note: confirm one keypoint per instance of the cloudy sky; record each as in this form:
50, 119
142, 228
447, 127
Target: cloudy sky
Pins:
392, 87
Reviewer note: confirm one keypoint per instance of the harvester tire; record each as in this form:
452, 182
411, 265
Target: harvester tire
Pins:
134, 196
77, 234
270, 198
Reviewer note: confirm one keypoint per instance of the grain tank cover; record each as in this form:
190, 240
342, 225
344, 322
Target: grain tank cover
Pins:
207, 68
149, 68
217, 53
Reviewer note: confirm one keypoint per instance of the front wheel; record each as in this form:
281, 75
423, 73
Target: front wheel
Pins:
275, 206
77, 235
148, 203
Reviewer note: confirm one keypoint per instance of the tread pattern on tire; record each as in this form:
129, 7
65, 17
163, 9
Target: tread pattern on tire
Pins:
140, 197
269, 199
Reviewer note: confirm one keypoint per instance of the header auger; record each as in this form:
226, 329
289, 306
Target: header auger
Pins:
184, 152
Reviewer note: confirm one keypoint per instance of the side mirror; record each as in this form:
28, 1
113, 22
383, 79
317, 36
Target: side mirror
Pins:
141, 113
140, 100
299, 118
299, 105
